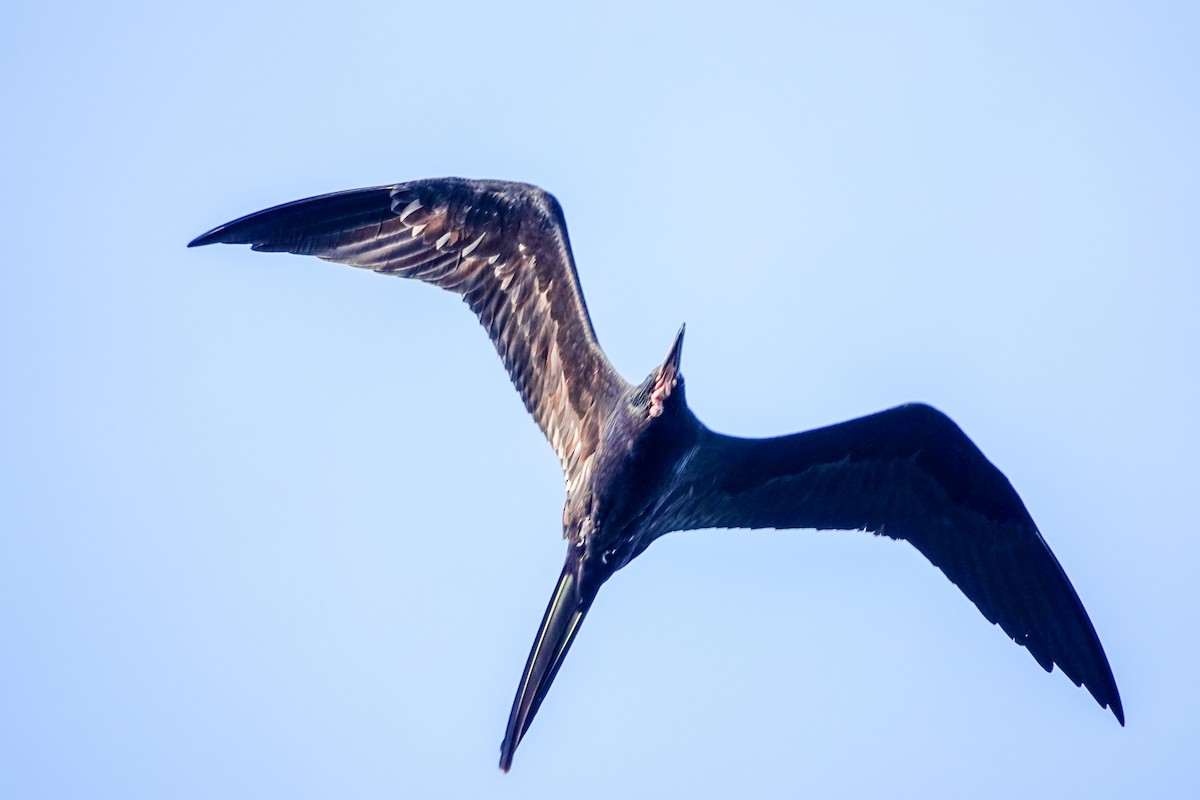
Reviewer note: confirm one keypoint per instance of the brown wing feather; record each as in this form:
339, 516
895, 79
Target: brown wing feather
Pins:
503, 248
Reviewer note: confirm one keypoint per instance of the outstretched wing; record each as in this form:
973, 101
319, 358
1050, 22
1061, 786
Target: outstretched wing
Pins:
909, 473
503, 247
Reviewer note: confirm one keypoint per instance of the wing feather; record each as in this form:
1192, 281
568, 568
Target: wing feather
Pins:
909, 473
503, 248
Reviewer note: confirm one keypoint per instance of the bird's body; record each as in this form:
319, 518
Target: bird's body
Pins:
638, 463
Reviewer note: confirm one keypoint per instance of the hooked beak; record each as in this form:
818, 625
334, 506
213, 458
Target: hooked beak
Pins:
568, 606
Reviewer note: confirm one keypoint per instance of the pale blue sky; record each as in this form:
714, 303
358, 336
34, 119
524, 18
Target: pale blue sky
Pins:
278, 528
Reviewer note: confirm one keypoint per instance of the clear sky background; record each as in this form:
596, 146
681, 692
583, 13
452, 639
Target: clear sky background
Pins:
278, 528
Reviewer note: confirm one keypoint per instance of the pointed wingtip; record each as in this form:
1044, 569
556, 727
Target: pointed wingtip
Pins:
209, 237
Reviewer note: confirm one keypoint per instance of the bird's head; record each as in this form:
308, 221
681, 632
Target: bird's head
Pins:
662, 391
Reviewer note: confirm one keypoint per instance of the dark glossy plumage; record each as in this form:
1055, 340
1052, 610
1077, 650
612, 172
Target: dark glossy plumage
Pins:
637, 462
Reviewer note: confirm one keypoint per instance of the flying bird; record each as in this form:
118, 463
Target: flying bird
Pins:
638, 463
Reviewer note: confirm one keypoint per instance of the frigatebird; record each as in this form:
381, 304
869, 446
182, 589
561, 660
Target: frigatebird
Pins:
639, 464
